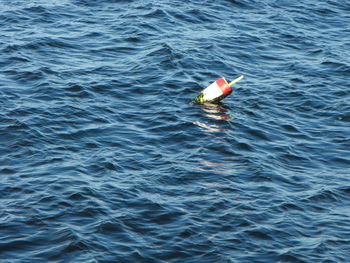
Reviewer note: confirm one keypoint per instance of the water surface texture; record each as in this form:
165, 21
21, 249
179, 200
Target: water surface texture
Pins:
103, 157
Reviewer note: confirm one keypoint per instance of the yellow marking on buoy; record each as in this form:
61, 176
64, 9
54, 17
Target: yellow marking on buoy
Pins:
235, 81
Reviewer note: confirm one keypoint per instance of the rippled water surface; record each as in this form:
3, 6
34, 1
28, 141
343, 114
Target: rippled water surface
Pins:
105, 159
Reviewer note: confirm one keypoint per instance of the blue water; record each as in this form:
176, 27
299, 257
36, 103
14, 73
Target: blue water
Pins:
103, 157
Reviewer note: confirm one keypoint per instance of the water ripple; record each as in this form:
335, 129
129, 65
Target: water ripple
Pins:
106, 159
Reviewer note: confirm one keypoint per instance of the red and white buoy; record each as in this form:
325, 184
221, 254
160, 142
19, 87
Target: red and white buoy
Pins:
216, 91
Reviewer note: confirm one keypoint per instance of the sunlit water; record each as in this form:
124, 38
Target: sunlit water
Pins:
105, 159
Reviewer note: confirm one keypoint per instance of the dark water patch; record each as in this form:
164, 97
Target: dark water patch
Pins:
237, 3
14, 60
39, 45
23, 76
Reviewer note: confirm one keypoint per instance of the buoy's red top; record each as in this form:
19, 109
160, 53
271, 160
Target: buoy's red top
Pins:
223, 85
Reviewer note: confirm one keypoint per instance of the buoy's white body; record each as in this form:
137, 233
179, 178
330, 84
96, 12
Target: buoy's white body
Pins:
215, 91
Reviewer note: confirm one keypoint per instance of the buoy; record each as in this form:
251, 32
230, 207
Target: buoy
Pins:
216, 91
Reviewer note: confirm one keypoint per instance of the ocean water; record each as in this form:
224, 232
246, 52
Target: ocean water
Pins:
103, 157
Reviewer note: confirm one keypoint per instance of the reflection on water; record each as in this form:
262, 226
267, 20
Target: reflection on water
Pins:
215, 167
216, 116
210, 164
215, 112
223, 167
208, 127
